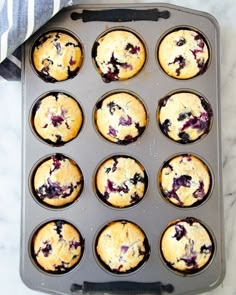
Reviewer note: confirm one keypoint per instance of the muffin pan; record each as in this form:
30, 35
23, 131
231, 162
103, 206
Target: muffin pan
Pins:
153, 214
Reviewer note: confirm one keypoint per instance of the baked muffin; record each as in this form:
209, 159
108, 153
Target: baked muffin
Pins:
57, 181
57, 56
57, 118
120, 118
121, 181
187, 246
185, 181
184, 117
119, 55
122, 247
183, 54
57, 247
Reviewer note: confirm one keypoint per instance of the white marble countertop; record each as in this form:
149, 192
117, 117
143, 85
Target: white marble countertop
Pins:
10, 159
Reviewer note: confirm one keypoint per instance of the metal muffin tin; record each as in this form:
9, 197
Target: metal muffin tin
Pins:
88, 149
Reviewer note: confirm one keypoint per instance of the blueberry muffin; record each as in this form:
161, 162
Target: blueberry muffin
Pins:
57, 118
121, 181
122, 247
120, 118
186, 246
57, 181
185, 181
184, 117
57, 56
183, 54
119, 55
57, 247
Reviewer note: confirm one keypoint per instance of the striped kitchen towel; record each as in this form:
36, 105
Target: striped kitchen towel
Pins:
19, 19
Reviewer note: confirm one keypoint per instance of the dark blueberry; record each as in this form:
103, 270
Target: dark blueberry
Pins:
111, 75
201, 123
59, 139
94, 50
46, 249
139, 128
58, 47
199, 193
202, 65
180, 231
107, 170
56, 120
53, 190
106, 196
190, 262
117, 270
195, 52
200, 41
112, 131
184, 136
134, 198
45, 126
165, 126
141, 252
125, 122
99, 104
112, 107
110, 187
181, 41
183, 116
56, 163
181, 61
45, 71
37, 106
172, 194
74, 244
132, 49
163, 101
187, 157
71, 61
115, 163
167, 165
62, 267
124, 249
67, 125
190, 220
137, 178
128, 138
58, 228
206, 106
183, 180
206, 249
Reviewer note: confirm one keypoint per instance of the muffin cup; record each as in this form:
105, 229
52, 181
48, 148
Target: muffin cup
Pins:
124, 249
122, 67
191, 267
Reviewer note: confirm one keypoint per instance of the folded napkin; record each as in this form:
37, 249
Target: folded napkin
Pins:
19, 19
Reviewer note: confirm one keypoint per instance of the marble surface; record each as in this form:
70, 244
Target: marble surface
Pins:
10, 159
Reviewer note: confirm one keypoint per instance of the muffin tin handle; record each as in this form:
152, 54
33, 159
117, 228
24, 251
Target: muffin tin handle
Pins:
123, 287
120, 15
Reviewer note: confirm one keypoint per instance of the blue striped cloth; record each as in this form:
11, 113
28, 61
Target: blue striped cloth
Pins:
19, 19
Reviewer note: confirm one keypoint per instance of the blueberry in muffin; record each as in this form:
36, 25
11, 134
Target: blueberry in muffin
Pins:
122, 247
57, 56
184, 116
57, 181
186, 246
118, 55
57, 247
185, 181
121, 181
57, 118
183, 54
120, 117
